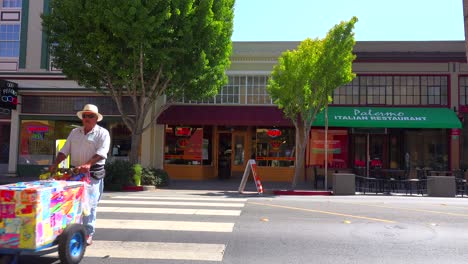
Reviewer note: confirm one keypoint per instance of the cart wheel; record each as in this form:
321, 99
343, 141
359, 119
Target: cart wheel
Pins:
72, 244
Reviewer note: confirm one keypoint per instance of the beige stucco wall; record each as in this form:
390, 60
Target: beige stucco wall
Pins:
34, 46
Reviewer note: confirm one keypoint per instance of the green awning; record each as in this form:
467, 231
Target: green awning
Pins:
389, 117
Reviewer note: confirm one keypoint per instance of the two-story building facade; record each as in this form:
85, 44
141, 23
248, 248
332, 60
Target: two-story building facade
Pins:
408, 97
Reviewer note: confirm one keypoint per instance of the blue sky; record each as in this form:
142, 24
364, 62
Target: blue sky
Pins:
296, 20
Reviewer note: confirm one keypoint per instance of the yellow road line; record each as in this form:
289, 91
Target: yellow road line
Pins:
410, 209
325, 212
452, 206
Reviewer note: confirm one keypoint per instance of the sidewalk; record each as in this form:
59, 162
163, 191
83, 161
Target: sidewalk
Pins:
234, 183
231, 185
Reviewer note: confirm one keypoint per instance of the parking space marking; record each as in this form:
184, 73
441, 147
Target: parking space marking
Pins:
325, 212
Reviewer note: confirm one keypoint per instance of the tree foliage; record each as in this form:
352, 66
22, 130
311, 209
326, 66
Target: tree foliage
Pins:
144, 49
303, 81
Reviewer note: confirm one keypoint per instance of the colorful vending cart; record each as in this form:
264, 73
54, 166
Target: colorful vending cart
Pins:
41, 214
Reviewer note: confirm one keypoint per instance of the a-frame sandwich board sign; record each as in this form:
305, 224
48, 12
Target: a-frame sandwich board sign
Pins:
251, 167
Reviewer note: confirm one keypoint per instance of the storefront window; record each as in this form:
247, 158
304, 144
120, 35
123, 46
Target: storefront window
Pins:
121, 140
40, 140
187, 145
337, 152
4, 142
275, 147
428, 148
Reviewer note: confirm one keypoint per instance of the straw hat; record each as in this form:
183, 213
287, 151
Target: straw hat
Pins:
90, 108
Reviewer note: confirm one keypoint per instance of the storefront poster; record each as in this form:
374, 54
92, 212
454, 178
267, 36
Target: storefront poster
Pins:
336, 148
58, 146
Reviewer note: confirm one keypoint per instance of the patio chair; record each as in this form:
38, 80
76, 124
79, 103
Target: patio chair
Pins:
318, 178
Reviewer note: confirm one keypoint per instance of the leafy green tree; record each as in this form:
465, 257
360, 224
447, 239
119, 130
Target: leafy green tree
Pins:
144, 50
303, 81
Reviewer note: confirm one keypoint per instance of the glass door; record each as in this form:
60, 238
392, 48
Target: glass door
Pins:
238, 150
224, 155
369, 150
377, 150
360, 150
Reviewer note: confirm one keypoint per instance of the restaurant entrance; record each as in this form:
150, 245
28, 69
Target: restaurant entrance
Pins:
224, 155
232, 151
369, 149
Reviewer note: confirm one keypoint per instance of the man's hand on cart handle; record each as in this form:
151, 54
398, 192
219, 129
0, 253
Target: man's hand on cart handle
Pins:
60, 157
53, 168
84, 168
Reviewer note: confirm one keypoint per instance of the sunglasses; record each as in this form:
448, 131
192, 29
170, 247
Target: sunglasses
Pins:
88, 115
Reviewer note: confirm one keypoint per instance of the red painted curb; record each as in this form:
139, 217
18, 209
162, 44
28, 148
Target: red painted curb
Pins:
301, 192
132, 188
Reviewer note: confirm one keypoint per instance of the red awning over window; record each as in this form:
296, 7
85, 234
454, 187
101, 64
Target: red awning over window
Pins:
223, 115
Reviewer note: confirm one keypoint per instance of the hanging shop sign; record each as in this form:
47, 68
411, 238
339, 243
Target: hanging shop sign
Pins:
273, 133
183, 143
183, 131
8, 95
275, 145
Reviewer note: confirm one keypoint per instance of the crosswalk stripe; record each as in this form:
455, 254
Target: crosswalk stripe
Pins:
224, 199
106, 201
164, 225
154, 250
149, 210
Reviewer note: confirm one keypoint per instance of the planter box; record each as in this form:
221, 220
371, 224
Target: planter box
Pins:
344, 184
441, 186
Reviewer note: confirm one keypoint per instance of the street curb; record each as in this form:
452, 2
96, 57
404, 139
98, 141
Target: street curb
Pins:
302, 192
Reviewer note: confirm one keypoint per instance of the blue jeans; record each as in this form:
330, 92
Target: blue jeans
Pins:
96, 187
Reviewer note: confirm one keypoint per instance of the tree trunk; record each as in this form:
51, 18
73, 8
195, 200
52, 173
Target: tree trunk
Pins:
300, 152
135, 149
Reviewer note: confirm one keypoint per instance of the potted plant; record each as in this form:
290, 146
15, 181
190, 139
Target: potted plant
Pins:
135, 184
118, 175
137, 169
154, 177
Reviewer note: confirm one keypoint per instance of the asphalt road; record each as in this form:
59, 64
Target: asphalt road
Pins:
352, 229
196, 226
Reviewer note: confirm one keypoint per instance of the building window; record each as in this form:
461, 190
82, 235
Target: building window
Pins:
347, 94
256, 90
428, 148
463, 90
188, 145
374, 88
12, 3
39, 138
376, 95
9, 40
230, 93
406, 90
393, 90
240, 89
4, 142
275, 147
337, 152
